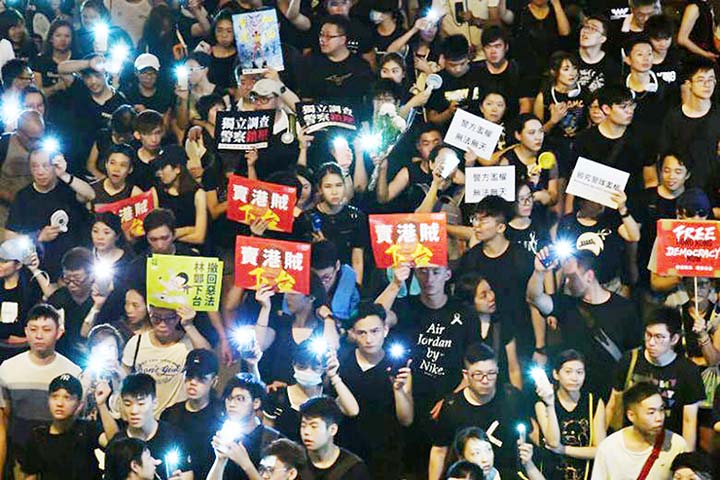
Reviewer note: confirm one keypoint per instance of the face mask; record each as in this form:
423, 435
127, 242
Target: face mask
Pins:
307, 378
376, 17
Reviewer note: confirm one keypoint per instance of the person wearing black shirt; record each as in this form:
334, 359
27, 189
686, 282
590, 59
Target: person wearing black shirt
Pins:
667, 62
198, 416
676, 377
129, 458
384, 395
461, 83
597, 67
359, 37
243, 395
320, 420
596, 322
495, 408
145, 93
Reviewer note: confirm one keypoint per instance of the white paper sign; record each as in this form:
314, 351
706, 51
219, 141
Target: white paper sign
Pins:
596, 182
470, 132
483, 181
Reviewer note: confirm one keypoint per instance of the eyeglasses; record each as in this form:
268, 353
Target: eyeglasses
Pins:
155, 318
27, 79
75, 279
480, 376
705, 81
593, 28
269, 471
691, 212
328, 36
658, 337
237, 398
260, 99
196, 69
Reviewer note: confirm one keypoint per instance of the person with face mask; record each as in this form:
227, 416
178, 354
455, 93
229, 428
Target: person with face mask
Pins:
314, 366
387, 22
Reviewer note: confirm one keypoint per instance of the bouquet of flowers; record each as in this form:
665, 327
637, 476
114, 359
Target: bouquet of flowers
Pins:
388, 128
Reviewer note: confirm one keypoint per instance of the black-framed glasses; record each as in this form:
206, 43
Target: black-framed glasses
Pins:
269, 471
328, 36
480, 376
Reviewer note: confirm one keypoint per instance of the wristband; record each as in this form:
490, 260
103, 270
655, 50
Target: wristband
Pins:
626, 214
541, 350
70, 180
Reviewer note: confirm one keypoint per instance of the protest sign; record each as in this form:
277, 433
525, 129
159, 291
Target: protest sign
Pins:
264, 261
317, 116
132, 211
688, 248
176, 280
596, 182
249, 200
483, 181
470, 132
244, 130
257, 38
419, 239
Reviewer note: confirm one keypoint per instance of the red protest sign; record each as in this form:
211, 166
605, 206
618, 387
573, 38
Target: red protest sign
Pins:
264, 261
249, 200
419, 239
688, 248
132, 211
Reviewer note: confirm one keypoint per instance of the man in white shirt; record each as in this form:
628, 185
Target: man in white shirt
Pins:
644, 451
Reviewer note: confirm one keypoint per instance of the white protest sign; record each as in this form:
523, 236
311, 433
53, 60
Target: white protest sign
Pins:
470, 132
596, 182
483, 181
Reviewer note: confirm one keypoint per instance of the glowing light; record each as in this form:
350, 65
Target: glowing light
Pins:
538, 374
397, 350
522, 432
100, 356
563, 249
102, 270
370, 141
319, 346
230, 431
11, 110
172, 461
432, 15
119, 53
50, 144
340, 143
101, 31
243, 337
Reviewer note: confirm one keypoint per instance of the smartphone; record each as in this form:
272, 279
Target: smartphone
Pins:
103, 285
459, 10
449, 165
317, 222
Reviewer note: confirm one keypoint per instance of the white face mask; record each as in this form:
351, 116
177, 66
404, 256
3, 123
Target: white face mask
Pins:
307, 378
376, 17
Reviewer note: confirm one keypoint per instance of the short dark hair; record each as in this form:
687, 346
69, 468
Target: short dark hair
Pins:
43, 310
102, 331
569, 355
122, 122
683, 159
120, 454
160, 217
696, 64
494, 33
328, 168
322, 407
603, 20
614, 95
557, 59
496, 207
246, 381
639, 392
466, 286
206, 102
13, 69
478, 352
642, 3
636, 40
324, 255
306, 356
30, 89
201, 58
368, 308
78, 258
288, 452
662, 315
455, 47
696, 461
465, 470
660, 26
342, 23
138, 385
586, 260
462, 437
122, 149
386, 86
147, 121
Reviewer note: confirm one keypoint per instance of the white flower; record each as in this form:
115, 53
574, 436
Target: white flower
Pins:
399, 123
387, 109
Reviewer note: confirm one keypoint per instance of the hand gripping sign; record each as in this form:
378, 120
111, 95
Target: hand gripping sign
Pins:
419, 239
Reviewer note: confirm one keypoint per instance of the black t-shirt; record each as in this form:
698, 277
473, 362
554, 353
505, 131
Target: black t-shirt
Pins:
437, 340
582, 325
532, 238
679, 383
670, 69
575, 120
352, 465
594, 76
167, 438
381, 42
498, 417
21, 298
509, 82
71, 344
465, 90
68, 456
575, 431
30, 212
161, 101
276, 364
254, 442
143, 174
199, 428
347, 229
285, 418
222, 71
347, 81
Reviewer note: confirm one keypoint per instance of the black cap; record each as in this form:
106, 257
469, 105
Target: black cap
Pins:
201, 362
67, 382
173, 155
694, 200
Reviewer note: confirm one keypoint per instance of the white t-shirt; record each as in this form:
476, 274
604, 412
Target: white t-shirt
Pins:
130, 16
450, 26
613, 461
164, 364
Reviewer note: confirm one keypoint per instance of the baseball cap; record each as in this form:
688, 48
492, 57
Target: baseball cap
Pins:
694, 201
18, 249
266, 87
201, 362
147, 60
173, 155
67, 382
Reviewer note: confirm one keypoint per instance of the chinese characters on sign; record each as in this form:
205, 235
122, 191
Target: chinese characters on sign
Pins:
483, 181
470, 132
257, 38
419, 239
132, 211
688, 248
176, 280
596, 182
243, 130
249, 200
264, 261
317, 116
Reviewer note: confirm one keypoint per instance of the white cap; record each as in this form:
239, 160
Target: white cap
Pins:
147, 60
266, 87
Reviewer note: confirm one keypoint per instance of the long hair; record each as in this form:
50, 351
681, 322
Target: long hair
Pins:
57, 23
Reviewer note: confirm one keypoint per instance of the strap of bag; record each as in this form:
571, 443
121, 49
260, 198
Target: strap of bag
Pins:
598, 333
343, 466
631, 368
591, 416
137, 350
659, 440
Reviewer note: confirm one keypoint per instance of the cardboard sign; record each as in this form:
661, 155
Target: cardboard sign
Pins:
483, 181
688, 248
470, 132
264, 261
317, 116
176, 280
596, 182
249, 200
257, 38
244, 130
419, 239
132, 211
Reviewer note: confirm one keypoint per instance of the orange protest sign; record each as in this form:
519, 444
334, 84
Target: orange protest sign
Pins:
264, 261
688, 248
249, 200
419, 239
132, 211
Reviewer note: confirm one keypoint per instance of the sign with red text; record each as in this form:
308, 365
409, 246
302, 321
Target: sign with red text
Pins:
264, 261
249, 200
244, 130
418, 239
318, 116
688, 248
132, 211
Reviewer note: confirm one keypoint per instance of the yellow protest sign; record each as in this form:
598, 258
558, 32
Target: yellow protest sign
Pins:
175, 280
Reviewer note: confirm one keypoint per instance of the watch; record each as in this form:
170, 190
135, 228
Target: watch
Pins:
541, 350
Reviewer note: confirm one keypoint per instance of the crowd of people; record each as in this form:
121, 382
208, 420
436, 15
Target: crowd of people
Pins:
548, 345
